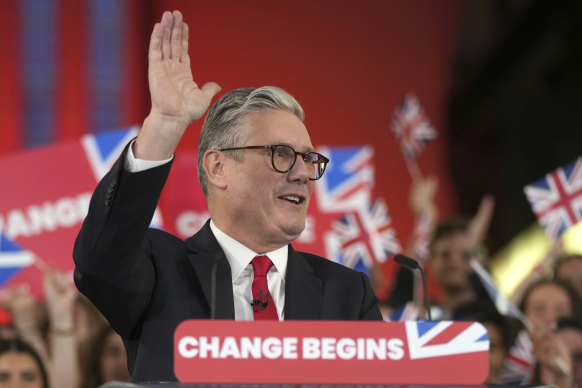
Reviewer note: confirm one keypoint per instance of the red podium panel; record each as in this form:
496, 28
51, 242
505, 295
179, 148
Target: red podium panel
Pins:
331, 352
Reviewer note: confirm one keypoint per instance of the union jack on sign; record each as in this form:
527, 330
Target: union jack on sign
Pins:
441, 338
411, 126
13, 259
348, 180
103, 150
556, 199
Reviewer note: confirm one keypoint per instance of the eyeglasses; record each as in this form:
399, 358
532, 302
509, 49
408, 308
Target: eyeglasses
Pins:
283, 159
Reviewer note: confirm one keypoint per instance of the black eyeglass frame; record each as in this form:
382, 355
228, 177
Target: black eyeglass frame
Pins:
272, 147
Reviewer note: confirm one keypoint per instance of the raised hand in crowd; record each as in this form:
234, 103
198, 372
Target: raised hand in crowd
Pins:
177, 101
479, 226
422, 196
26, 316
553, 357
60, 296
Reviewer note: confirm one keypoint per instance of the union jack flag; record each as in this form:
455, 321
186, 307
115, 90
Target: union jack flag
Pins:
366, 236
408, 312
412, 127
518, 367
411, 312
13, 259
556, 199
503, 305
428, 339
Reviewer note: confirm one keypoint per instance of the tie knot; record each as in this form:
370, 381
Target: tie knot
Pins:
261, 265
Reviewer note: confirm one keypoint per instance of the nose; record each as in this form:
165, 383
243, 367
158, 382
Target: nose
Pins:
300, 171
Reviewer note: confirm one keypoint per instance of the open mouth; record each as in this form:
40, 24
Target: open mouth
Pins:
294, 199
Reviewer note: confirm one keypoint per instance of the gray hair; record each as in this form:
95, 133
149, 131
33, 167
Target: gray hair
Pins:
222, 126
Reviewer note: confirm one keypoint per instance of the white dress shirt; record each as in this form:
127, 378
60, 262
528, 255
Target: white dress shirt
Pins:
238, 256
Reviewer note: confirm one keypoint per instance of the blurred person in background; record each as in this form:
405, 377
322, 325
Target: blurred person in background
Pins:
452, 248
21, 366
544, 303
89, 322
107, 360
28, 318
446, 249
422, 203
502, 331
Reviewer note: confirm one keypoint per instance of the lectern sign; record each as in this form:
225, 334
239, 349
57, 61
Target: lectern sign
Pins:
331, 352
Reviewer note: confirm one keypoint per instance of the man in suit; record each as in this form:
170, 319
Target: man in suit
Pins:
257, 168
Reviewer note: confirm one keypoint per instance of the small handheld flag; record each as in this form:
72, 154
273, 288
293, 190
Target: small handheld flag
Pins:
556, 199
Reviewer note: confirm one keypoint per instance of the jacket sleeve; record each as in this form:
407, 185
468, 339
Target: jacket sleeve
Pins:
113, 263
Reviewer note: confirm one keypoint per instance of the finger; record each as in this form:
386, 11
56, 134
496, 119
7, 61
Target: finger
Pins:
176, 35
155, 50
210, 89
185, 58
166, 27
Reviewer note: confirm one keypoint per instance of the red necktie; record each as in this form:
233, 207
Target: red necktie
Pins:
263, 303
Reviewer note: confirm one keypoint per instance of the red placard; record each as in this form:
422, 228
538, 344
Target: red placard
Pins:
331, 352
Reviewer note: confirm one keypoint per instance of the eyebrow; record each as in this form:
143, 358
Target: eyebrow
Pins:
309, 149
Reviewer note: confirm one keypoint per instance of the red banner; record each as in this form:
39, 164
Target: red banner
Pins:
331, 352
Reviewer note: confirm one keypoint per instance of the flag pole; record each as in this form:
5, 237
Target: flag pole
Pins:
413, 168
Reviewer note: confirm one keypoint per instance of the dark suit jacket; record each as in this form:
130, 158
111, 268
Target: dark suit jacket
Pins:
146, 281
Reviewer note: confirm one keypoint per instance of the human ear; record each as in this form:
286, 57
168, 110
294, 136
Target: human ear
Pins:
215, 168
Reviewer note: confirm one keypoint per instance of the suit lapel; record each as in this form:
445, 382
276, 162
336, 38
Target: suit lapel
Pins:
205, 247
303, 290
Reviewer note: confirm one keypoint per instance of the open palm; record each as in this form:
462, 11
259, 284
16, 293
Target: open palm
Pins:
173, 90
177, 101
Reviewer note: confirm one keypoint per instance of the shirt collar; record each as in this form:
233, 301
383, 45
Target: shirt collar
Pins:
239, 256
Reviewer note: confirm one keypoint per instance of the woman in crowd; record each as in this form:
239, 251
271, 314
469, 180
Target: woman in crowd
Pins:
544, 303
21, 366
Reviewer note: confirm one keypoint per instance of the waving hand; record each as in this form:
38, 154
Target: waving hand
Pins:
177, 101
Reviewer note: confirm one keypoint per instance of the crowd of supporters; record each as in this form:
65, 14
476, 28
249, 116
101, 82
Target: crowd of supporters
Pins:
536, 335
61, 341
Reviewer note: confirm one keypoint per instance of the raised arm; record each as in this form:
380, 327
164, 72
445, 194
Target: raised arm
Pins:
60, 301
177, 101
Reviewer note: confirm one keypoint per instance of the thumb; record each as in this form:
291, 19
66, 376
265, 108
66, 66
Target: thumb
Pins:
210, 89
